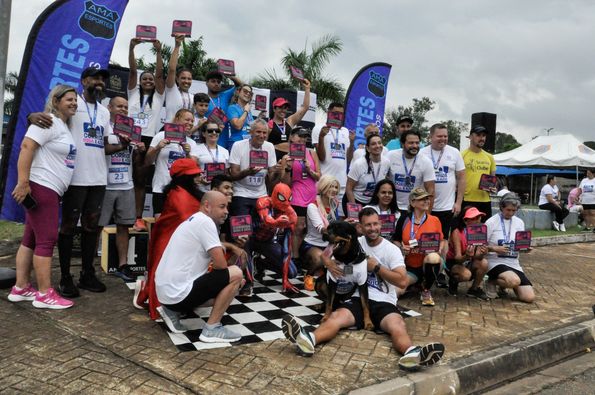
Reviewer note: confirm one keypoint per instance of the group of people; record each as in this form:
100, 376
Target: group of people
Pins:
239, 175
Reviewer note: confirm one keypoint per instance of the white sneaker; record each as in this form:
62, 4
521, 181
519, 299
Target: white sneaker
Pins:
491, 290
562, 227
556, 225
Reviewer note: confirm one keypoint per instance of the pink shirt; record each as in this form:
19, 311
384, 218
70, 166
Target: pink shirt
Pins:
573, 197
304, 190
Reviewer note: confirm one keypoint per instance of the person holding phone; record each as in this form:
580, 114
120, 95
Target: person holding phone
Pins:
365, 172
145, 101
465, 262
163, 154
240, 115
281, 125
422, 269
45, 168
504, 267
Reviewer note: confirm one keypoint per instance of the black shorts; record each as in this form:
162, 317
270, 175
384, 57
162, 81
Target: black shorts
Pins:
445, 218
484, 207
300, 211
378, 310
85, 201
499, 269
588, 206
205, 287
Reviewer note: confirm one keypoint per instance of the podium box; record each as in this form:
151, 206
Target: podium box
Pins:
138, 248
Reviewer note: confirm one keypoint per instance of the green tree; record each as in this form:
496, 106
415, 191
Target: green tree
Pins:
417, 111
313, 63
10, 86
192, 56
505, 142
590, 144
455, 129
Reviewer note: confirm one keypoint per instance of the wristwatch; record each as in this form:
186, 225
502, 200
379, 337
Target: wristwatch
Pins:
377, 268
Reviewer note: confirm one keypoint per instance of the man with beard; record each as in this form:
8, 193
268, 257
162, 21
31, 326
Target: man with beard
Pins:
386, 270
478, 162
90, 128
410, 170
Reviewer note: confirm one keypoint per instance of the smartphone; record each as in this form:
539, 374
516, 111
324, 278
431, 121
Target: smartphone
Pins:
29, 202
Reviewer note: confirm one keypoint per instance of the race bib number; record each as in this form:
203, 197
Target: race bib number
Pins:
173, 156
92, 136
337, 150
255, 180
118, 175
141, 119
442, 175
404, 183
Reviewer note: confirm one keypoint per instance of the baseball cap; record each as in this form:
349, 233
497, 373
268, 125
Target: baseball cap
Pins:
404, 118
184, 167
214, 74
92, 72
478, 129
473, 212
280, 102
300, 131
418, 193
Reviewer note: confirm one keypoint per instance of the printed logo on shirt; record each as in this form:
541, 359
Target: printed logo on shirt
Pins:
121, 158
374, 283
587, 188
479, 166
404, 183
370, 186
173, 156
337, 150
442, 175
92, 136
70, 158
344, 287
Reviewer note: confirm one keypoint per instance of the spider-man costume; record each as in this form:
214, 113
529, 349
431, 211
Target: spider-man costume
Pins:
276, 214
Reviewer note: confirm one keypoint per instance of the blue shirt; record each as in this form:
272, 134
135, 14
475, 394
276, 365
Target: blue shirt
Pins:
235, 111
222, 101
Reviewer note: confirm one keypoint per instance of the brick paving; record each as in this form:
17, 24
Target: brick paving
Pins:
104, 345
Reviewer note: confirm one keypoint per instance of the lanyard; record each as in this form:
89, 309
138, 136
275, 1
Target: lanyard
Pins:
506, 235
335, 137
412, 232
216, 157
281, 129
92, 119
408, 172
378, 172
218, 101
184, 96
436, 163
143, 102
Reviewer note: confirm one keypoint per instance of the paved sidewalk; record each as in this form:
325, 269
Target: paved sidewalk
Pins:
103, 344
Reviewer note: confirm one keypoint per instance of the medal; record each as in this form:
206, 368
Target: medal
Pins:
348, 270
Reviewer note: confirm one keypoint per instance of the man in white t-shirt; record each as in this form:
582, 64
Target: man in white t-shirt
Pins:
183, 280
386, 270
504, 268
252, 165
119, 200
334, 148
449, 170
409, 170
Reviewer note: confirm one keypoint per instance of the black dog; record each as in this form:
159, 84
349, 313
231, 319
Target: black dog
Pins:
342, 236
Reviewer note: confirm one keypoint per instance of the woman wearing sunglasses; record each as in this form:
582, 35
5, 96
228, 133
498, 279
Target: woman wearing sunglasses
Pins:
213, 158
240, 117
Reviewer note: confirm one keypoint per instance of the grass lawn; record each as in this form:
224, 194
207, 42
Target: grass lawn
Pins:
550, 232
10, 230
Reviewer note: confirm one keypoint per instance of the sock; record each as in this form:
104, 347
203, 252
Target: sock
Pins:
88, 247
64, 252
18, 289
42, 295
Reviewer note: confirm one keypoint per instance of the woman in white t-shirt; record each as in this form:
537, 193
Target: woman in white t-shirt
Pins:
587, 190
163, 153
318, 216
177, 84
504, 268
45, 167
365, 172
549, 199
145, 101
213, 158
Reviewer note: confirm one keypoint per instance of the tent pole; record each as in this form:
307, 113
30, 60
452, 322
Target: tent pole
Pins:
531, 198
576, 174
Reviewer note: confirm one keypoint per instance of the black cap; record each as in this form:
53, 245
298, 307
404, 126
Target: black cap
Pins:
404, 118
478, 129
214, 74
300, 131
92, 72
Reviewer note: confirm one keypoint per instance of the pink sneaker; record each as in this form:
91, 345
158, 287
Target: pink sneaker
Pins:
51, 300
26, 294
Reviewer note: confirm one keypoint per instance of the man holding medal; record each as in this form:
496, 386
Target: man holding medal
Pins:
410, 170
90, 128
449, 170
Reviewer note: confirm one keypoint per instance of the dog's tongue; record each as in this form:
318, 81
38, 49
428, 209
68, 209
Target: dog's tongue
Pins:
328, 251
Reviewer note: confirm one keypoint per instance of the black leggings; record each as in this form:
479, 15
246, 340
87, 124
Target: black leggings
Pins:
560, 212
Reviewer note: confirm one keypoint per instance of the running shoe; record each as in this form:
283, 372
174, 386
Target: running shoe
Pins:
219, 334
309, 282
21, 295
426, 298
51, 300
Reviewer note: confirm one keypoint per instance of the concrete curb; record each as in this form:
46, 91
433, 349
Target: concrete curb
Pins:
486, 369
563, 239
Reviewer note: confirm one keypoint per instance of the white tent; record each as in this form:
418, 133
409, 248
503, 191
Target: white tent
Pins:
549, 151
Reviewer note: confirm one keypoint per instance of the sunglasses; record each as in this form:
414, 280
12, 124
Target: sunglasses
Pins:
247, 92
211, 131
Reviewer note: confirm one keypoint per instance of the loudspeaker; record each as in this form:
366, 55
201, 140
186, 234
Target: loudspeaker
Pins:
488, 121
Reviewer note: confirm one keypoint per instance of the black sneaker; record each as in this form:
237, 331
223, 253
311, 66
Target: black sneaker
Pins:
67, 287
246, 290
453, 287
441, 281
125, 273
477, 293
90, 282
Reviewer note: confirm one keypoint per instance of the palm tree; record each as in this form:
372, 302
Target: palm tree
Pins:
192, 56
312, 63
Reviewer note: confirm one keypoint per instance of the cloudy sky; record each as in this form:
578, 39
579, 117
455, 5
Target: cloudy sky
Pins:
523, 60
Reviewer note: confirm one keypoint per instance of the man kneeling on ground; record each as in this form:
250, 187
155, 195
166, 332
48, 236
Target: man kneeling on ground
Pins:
386, 270
183, 280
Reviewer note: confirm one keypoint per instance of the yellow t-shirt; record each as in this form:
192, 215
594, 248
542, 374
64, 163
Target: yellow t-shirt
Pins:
477, 164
